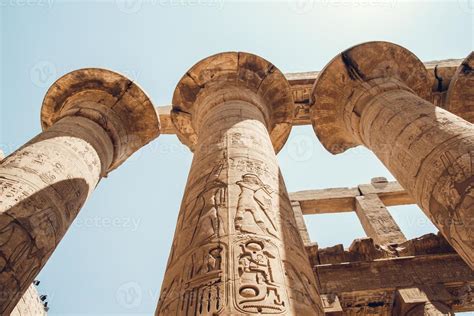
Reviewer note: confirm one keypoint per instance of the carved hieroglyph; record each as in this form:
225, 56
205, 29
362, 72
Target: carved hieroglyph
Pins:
93, 119
373, 94
237, 248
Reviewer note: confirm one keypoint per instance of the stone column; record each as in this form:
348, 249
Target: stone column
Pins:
236, 249
93, 119
460, 94
373, 94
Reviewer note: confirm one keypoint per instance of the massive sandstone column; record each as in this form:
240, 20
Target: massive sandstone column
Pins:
460, 94
373, 94
236, 249
93, 119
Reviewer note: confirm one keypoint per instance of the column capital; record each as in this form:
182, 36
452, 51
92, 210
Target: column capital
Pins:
368, 68
460, 98
111, 100
228, 70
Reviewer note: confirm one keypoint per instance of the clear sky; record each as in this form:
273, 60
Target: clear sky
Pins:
113, 257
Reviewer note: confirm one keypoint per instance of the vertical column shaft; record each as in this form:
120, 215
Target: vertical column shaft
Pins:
374, 94
237, 248
93, 120
430, 151
42, 187
300, 223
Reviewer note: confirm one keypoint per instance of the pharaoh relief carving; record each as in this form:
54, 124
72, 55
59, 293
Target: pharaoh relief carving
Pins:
255, 214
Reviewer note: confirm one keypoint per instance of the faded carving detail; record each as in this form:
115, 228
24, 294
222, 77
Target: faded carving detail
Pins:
255, 207
456, 188
257, 288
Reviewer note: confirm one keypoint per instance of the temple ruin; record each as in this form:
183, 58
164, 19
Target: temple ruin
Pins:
241, 246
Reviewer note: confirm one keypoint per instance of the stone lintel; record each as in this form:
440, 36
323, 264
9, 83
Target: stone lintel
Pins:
447, 274
377, 221
338, 200
301, 84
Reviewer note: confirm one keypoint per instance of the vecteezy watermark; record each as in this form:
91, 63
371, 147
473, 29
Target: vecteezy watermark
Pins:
301, 147
306, 6
134, 6
27, 3
43, 73
125, 223
129, 6
129, 295
301, 6
467, 6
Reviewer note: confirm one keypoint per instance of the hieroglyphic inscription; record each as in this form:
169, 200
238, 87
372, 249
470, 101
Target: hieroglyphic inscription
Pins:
203, 291
258, 283
456, 189
42, 187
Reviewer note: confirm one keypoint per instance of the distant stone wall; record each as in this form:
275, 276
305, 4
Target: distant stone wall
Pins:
29, 304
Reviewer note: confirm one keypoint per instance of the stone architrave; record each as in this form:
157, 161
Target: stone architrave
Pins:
93, 120
236, 249
377, 221
374, 94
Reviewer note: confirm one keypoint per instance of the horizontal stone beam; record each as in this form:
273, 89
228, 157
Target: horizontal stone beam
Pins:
302, 83
365, 281
338, 200
333, 200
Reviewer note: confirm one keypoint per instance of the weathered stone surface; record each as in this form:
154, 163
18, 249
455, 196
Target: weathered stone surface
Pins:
301, 84
337, 200
300, 223
460, 94
237, 247
331, 305
93, 119
366, 287
374, 94
377, 221
417, 302
29, 304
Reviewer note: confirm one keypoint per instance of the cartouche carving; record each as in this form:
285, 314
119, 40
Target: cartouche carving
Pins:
259, 278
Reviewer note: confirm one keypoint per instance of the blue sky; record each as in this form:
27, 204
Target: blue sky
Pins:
120, 241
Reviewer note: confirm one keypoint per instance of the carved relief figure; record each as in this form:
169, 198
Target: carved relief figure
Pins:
203, 289
254, 207
258, 291
206, 219
209, 205
457, 187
